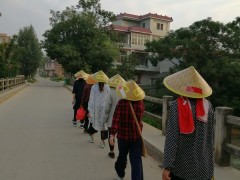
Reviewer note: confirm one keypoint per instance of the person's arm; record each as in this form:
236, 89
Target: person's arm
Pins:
91, 103
171, 141
83, 95
115, 123
107, 108
74, 93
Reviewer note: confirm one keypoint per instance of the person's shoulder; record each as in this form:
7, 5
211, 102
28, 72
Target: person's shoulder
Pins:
94, 87
174, 103
107, 87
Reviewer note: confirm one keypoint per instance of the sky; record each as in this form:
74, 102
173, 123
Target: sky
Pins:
17, 14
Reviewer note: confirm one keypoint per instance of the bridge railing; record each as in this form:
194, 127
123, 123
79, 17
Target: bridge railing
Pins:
224, 123
224, 128
7, 83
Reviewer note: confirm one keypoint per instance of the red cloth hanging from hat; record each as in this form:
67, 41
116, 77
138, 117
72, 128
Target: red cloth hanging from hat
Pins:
185, 117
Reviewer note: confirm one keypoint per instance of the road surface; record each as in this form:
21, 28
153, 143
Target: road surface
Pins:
38, 141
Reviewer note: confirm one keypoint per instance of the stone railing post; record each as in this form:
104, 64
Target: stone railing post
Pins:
222, 136
2, 84
7, 83
165, 111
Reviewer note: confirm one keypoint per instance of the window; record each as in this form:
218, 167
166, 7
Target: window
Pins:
134, 38
146, 38
140, 39
159, 26
143, 25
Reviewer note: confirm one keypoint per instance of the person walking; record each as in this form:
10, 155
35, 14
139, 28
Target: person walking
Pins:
96, 105
77, 92
189, 144
110, 105
85, 98
124, 126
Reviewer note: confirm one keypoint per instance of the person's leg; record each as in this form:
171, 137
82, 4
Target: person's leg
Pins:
85, 126
104, 136
86, 121
135, 152
91, 131
121, 163
111, 147
74, 121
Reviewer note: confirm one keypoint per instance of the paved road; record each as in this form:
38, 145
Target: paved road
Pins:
38, 142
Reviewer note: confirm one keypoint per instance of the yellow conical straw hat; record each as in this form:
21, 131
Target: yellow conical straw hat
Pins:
89, 79
188, 83
100, 76
113, 81
130, 90
81, 74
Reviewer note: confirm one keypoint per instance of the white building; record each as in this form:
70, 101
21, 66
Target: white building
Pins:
134, 31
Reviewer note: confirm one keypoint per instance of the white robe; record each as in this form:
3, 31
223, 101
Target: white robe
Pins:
96, 106
110, 105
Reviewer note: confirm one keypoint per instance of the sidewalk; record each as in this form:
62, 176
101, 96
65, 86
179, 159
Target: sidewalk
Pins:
155, 146
154, 142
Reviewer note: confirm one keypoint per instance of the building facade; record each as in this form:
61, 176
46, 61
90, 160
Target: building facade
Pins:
133, 32
4, 38
53, 68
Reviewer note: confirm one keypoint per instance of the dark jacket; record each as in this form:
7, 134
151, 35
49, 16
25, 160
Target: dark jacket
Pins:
78, 87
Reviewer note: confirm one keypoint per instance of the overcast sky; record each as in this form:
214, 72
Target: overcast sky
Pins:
17, 14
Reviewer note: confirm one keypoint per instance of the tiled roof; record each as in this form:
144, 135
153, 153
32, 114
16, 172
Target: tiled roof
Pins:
139, 29
141, 17
131, 29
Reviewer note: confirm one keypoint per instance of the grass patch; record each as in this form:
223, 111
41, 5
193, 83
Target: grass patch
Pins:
153, 122
57, 79
31, 80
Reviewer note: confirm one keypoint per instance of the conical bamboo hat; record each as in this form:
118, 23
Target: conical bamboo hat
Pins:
80, 74
130, 90
100, 76
188, 83
90, 80
113, 81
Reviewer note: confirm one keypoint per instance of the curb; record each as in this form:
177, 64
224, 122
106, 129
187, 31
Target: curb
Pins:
6, 94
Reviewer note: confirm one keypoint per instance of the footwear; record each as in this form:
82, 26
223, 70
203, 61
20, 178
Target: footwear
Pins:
111, 154
91, 140
74, 124
102, 144
81, 125
117, 177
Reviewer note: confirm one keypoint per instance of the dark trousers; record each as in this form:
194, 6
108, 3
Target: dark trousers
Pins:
86, 122
91, 130
134, 150
74, 117
111, 147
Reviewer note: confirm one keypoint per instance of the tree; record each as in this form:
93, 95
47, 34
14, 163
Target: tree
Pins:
9, 63
213, 49
127, 65
77, 39
28, 52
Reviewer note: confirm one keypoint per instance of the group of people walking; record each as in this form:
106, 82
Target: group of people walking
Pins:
107, 103
115, 108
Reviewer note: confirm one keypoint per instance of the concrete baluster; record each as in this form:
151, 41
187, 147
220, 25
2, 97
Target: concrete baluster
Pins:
165, 112
222, 136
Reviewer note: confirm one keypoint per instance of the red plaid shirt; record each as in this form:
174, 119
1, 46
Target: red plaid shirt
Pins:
86, 93
123, 121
